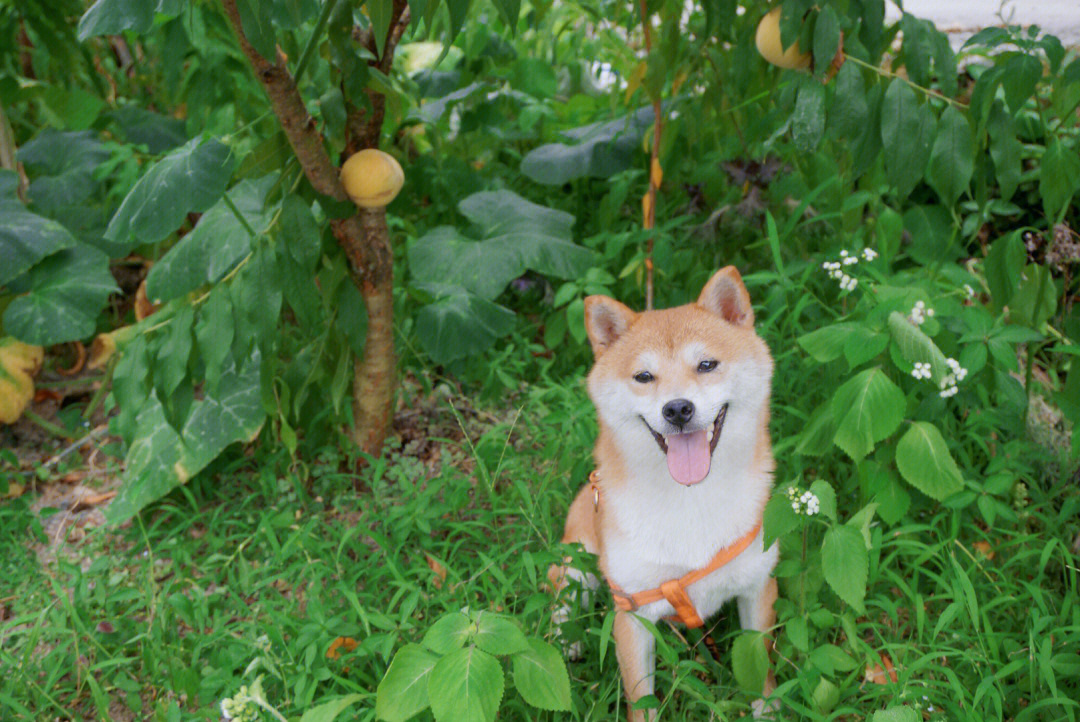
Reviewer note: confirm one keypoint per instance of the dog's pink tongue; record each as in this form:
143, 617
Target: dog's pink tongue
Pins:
688, 457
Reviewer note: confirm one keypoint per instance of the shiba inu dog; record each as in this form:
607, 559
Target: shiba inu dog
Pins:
683, 470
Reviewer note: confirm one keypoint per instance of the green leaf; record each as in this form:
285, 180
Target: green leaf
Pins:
598, 150
499, 635
380, 13
329, 711
869, 408
917, 48
944, 62
60, 298
1059, 177
459, 10
403, 692
907, 129
867, 146
111, 17
1004, 265
750, 661
62, 166
896, 714
234, 413
459, 323
173, 354
779, 518
952, 156
808, 118
449, 632
217, 243
1005, 150
1027, 305
826, 497
255, 18
443, 255
826, 39
466, 686
849, 112
25, 237
924, 461
541, 678
845, 564
932, 234
214, 332
159, 133
916, 346
1021, 75
190, 179
509, 11
827, 343
863, 345
826, 695
816, 438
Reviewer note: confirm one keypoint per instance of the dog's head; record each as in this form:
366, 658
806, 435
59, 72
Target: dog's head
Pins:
676, 382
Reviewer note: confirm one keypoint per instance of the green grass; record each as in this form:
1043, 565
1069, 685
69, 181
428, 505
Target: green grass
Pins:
259, 566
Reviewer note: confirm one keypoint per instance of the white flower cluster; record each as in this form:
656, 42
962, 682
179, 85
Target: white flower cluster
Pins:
240, 707
806, 503
948, 384
921, 370
920, 313
835, 269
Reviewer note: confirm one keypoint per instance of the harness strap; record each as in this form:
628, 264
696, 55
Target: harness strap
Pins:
674, 590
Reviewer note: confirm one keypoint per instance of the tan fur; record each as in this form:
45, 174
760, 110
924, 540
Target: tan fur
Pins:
718, 326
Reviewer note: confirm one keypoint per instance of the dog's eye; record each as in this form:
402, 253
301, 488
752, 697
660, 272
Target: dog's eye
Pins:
643, 377
706, 366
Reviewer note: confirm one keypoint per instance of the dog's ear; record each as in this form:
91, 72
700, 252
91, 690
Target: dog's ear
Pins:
727, 297
605, 320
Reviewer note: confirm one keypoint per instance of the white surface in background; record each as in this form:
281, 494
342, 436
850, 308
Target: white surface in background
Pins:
962, 18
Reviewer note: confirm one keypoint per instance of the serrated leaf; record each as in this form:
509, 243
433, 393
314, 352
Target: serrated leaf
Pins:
826, 497
540, 676
907, 131
216, 244
924, 461
61, 297
449, 632
403, 692
499, 635
827, 343
845, 564
189, 179
916, 346
778, 519
816, 438
466, 686
952, 156
750, 661
869, 407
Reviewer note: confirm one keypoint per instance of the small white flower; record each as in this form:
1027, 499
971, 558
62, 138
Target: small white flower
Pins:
848, 260
869, 254
969, 291
930, 312
796, 507
843, 253
921, 370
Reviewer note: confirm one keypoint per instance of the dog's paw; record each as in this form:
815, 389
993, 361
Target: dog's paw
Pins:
765, 709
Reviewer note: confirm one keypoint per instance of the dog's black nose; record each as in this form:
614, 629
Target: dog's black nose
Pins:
678, 411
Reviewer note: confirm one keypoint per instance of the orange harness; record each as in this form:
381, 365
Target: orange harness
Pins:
674, 590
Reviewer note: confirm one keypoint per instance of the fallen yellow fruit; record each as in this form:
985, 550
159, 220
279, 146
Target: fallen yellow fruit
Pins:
18, 363
372, 178
768, 44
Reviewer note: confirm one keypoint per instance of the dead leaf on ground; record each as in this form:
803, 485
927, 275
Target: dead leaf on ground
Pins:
346, 643
14, 490
984, 549
439, 569
143, 307
877, 675
18, 364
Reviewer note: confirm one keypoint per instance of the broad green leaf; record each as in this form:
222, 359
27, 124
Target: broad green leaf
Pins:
826, 695
750, 661
886, 490
329, 711
1005, 150
845, 564
111, 17
443, 255
459, 10
889, 232
403, 692
509, 11
816, 438
499, 635
61, 166
1059, 177
449, 632
951, 158
867, 146
779, 518
916, 346
217, 243
944, 62
217, 420
864, 344
869, 408
256, 293
25, 237
917, 48
907, 131
1021, 74
924, 461
827, 343
898, 714
300, 232
849, 111
173, 354
808, 118
60, 298
459, 323
499, 212
1004, 265
599, 150
826, 39
826, 497
214, 333
159, 133
466, 686
1036, 299
255, 18
291, 14
933, 234
540, 676
151, 462
190, 179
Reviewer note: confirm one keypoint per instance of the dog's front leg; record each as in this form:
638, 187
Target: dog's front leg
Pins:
636, 651
756, 612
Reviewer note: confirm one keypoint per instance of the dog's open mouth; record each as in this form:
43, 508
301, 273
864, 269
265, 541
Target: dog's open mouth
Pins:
689, 455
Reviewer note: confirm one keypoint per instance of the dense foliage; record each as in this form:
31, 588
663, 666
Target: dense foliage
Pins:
906, 229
